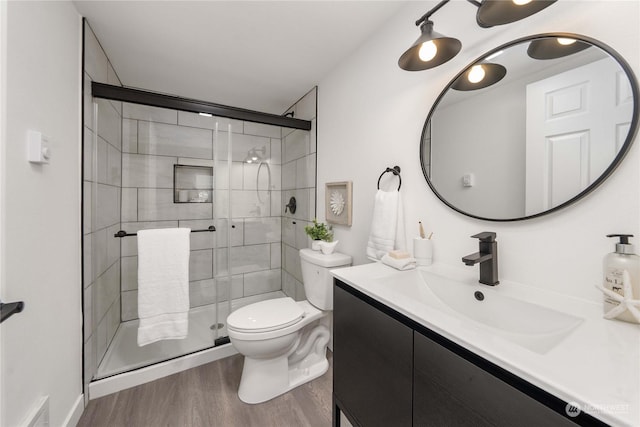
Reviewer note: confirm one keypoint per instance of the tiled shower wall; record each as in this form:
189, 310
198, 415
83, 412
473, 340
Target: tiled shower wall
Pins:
102, 187
154, 140
298, 180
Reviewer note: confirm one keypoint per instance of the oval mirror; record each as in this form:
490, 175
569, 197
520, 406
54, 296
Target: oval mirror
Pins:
530, 127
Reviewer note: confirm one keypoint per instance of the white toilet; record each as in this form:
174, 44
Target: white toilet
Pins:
284, 342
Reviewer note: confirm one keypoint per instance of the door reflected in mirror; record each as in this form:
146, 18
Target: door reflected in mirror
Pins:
543, 136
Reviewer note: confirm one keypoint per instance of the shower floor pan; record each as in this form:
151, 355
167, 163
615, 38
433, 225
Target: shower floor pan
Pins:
124, 355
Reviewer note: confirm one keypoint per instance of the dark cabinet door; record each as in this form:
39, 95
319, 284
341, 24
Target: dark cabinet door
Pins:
372, 363
451, 391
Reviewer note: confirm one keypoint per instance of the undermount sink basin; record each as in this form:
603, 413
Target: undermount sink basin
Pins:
529, 325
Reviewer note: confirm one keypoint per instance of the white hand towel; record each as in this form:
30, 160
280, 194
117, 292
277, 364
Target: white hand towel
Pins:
163, 284
387, 225
399, 264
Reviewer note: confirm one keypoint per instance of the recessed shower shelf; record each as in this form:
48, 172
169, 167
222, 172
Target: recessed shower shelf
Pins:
192, 184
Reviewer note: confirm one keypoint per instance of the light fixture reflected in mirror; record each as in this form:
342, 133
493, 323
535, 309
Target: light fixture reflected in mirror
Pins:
479, 76
500, 12
556, 47
433, 49
254, 155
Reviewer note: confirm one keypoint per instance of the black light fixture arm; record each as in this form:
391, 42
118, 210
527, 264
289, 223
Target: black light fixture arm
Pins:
427, 15
437, 7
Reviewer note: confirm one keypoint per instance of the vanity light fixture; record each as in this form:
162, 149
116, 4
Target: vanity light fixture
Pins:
479, 76
432, 49
552, 48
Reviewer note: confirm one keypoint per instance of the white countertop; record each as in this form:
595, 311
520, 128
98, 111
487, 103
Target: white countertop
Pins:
597, 365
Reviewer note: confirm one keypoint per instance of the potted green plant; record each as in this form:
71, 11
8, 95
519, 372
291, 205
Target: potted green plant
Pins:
318, 231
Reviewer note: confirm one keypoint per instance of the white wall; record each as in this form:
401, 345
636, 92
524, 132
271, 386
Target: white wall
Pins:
371, 117
42, 346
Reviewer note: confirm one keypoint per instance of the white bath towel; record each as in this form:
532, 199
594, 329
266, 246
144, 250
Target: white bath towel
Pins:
399, 263
163, 284
387, 225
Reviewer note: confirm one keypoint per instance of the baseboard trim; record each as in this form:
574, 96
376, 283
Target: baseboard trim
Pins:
76, 412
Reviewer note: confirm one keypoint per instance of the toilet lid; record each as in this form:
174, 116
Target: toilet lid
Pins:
266, 315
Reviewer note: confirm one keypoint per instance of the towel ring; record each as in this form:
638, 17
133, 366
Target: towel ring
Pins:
396, 171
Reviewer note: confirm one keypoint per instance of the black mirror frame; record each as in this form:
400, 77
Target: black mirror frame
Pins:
633, 128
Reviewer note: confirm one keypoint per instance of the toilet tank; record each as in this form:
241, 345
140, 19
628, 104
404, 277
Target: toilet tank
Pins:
318, 282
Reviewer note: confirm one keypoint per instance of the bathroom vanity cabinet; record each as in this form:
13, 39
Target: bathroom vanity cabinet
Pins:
390, 370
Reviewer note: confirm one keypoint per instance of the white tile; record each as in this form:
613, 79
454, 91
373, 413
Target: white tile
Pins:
114, 166
99, 247
292, 262
87, 314
129, 204
196, 120
276, 151
113, 320
113, 244
129, 136
313, 212
106, 291
158, 205
237, 286
140, 170
289, 175
300, 293
109, 123
296, 145
87, 102
201, 264
101, 339
276, 255
306, 107
276, 177
221, 203
203, 292
306, 171
170, 140
108, 206
277, 206
202, 240
289, 232
260, 129
87, 204
89, 357
262, 282
129, 245
95, 61
244, 204
87, 259
129, 305
247, 259
288, 285
222, 234
149, 114
262, 230
196, 162
129, 273
302, 203
302, 239
102, 161
87, 163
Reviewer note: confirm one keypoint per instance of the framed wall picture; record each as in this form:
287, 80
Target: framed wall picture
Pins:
338, 202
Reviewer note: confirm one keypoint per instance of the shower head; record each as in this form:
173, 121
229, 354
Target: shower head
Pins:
255, 155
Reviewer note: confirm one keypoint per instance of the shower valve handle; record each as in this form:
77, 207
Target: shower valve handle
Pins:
291, 206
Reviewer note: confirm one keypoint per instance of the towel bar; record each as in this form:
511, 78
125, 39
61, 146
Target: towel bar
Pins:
9, 309
123, 233
396, 171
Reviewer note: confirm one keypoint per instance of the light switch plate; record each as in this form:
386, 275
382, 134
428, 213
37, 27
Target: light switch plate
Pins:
38, 150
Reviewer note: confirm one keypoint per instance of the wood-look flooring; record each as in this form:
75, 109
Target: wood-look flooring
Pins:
208, 396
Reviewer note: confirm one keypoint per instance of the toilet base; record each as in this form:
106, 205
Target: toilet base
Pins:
264, 379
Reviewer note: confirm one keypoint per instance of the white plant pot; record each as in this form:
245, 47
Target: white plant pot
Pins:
315, 245
328, 247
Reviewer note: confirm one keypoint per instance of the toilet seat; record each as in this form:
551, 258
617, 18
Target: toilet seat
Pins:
265, 316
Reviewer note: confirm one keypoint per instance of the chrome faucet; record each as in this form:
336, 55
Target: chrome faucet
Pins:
487, 258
